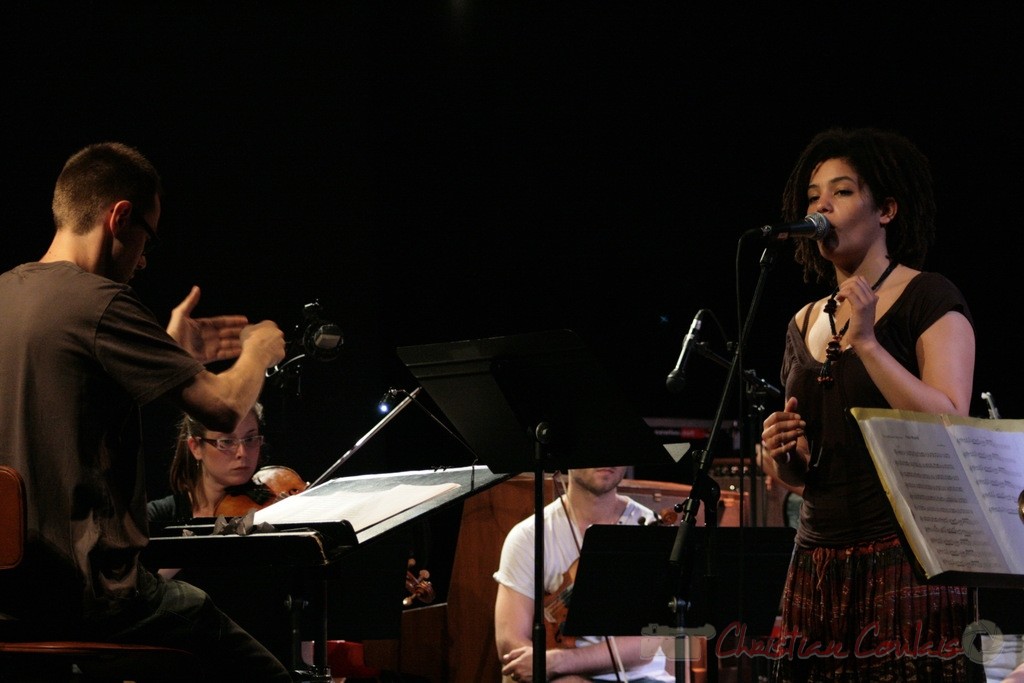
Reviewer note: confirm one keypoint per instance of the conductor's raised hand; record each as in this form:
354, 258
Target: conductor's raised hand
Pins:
206, 339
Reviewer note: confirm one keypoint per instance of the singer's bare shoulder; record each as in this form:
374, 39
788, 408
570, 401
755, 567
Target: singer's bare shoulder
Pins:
802, 315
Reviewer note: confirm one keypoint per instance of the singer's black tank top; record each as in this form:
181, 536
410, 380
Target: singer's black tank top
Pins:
844, 502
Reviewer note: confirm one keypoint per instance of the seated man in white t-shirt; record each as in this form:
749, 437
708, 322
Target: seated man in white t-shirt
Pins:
591, 498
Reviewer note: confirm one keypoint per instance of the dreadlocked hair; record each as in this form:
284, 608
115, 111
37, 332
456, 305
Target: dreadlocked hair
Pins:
890, 166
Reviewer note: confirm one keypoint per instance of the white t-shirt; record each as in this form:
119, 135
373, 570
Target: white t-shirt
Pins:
516, 569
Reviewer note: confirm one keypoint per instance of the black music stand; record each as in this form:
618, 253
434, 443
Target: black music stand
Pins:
741, 588
317, 555
534, 402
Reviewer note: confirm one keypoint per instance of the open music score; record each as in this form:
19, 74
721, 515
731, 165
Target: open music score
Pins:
953, 483
361, 509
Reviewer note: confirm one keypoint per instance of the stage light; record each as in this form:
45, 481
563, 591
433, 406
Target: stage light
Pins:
388, 401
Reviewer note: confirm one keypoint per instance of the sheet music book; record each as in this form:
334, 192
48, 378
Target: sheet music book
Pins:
361, 509
954, 484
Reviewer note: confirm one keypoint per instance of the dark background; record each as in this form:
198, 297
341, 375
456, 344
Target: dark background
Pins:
431, 172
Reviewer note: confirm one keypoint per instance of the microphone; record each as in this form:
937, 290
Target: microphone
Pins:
315, 338
814, 226
676, 378
322, 340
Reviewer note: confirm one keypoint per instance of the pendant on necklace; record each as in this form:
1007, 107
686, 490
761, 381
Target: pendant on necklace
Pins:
832, 354
833, 351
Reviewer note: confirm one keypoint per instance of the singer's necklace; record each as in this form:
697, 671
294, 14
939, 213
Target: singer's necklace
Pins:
834, 349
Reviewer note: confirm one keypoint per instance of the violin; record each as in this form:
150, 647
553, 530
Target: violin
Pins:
556, 609
418, 586
268, 485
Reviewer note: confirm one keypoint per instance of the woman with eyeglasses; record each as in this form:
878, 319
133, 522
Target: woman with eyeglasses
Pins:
208, 467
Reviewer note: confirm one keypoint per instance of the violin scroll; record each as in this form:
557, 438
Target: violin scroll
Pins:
668, 516
282, 481
418, 586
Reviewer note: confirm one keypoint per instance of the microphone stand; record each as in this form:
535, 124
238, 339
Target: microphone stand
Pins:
750, 438
704, 488
759, 391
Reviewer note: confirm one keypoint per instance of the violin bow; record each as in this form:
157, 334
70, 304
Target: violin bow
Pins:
613, 648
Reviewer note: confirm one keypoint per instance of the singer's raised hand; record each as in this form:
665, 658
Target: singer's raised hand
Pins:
859, 295
207, 339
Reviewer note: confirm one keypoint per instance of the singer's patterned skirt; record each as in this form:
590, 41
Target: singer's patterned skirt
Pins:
860, 614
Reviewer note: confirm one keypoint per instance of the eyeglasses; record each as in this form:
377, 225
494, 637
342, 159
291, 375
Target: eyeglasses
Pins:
152, 241
231, 445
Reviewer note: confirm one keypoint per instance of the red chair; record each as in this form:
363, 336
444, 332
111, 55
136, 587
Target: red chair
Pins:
56, 661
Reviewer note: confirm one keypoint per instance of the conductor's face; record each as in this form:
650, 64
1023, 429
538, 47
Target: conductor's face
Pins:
597, 480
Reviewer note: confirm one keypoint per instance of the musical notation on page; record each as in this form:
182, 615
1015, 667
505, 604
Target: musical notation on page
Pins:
952, 482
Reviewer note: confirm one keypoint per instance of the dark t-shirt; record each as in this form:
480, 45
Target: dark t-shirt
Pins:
79, 355
173, 509
844, 502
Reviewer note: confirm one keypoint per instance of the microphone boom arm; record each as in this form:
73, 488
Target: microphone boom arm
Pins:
749, 375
